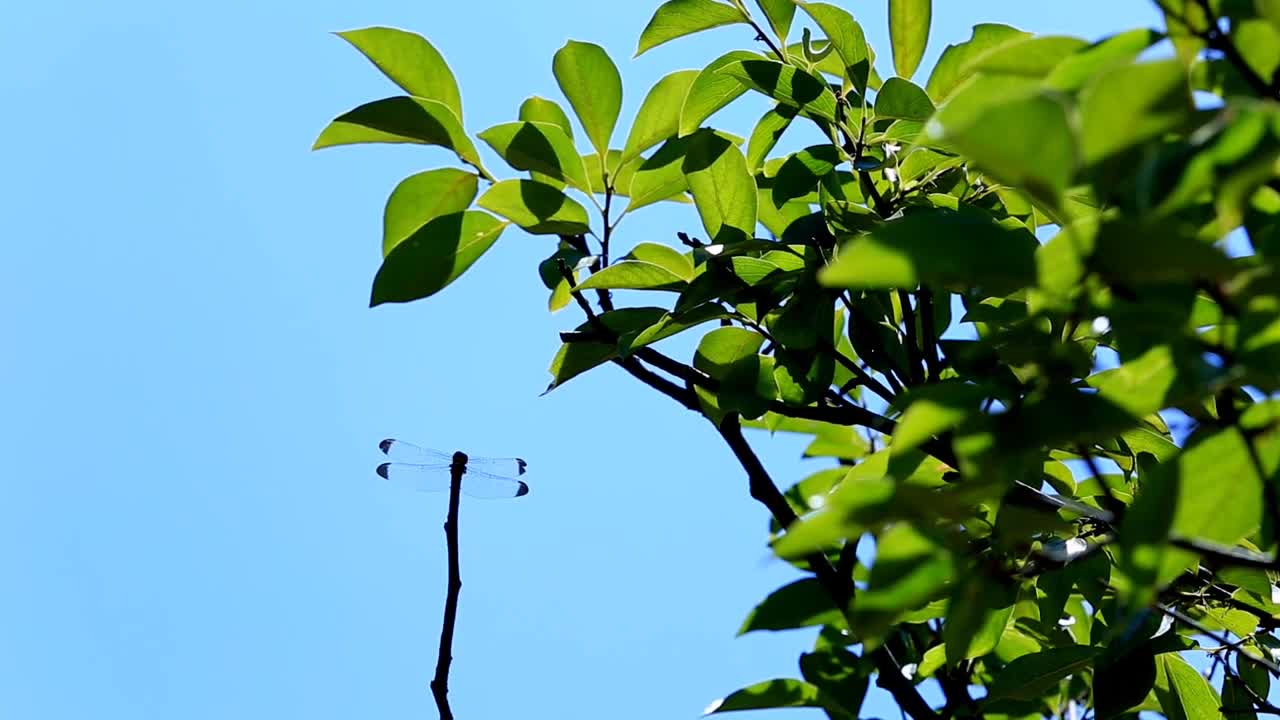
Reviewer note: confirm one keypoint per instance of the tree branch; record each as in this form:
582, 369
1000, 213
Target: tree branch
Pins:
440, 683
1218, 40
840, 588
915, 356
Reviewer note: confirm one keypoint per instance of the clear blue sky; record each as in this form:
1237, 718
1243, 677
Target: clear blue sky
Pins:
194, 389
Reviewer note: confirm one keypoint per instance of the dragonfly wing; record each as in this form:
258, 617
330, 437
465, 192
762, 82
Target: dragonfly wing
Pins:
435, 477
408, 452
422, 478
510, 467
480, 484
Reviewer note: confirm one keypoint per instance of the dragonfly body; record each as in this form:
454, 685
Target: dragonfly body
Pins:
431, 470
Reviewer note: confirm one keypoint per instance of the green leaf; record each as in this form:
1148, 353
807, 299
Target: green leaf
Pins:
434, 256
401, 120
786, 84
1123, 682
1183, 692
670, 324
1027, 143
590, 80
839, 673
634, 275
1187, 496
800, 172
1032, 676
766, 132
723, 190
575, 358
780, 13
1031, 56
1141, 384
778, 694
937, 247
981, 609
803, 603
909, 571
933, 410
730, 356
659, 114
903, 99
540, 147
846, 36
1076, 69
1132, 104
540, 109
410, 62
537, 208
673, 260
948, 73
908, 33
660, 177
677, 18
712, 90
423, 197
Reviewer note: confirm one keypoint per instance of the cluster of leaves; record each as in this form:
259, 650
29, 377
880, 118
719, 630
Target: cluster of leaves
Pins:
1040, 540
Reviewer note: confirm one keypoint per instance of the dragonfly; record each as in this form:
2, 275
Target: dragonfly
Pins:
427, 470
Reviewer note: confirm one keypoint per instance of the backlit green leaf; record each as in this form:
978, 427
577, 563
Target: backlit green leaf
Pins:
723, 191
712, 90
1130, 105
540, 147
401, 120
766, 132
1027, 143
540, 109
1031, 56
778, 694
803, 603
786, 84
537, 208
659, 114
903, 99
421, 198
677, 18
410, 62
780, 14
590, 80
661, 176
434, 256
909, 33
633, 275
1183, 692
937, 247
1032, 676
948, 73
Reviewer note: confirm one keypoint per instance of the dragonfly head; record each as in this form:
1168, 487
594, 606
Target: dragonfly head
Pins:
459, 459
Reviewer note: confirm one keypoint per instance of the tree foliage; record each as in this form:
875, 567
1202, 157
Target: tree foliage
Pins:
1026, 305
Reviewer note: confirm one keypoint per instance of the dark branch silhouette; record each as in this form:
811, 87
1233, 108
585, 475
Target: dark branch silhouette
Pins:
440, 683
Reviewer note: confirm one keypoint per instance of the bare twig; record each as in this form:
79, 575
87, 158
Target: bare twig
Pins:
440, 683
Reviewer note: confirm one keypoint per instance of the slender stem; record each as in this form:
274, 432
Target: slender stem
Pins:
915, 358
440, 683
762, 35
1219, 637
928, 335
